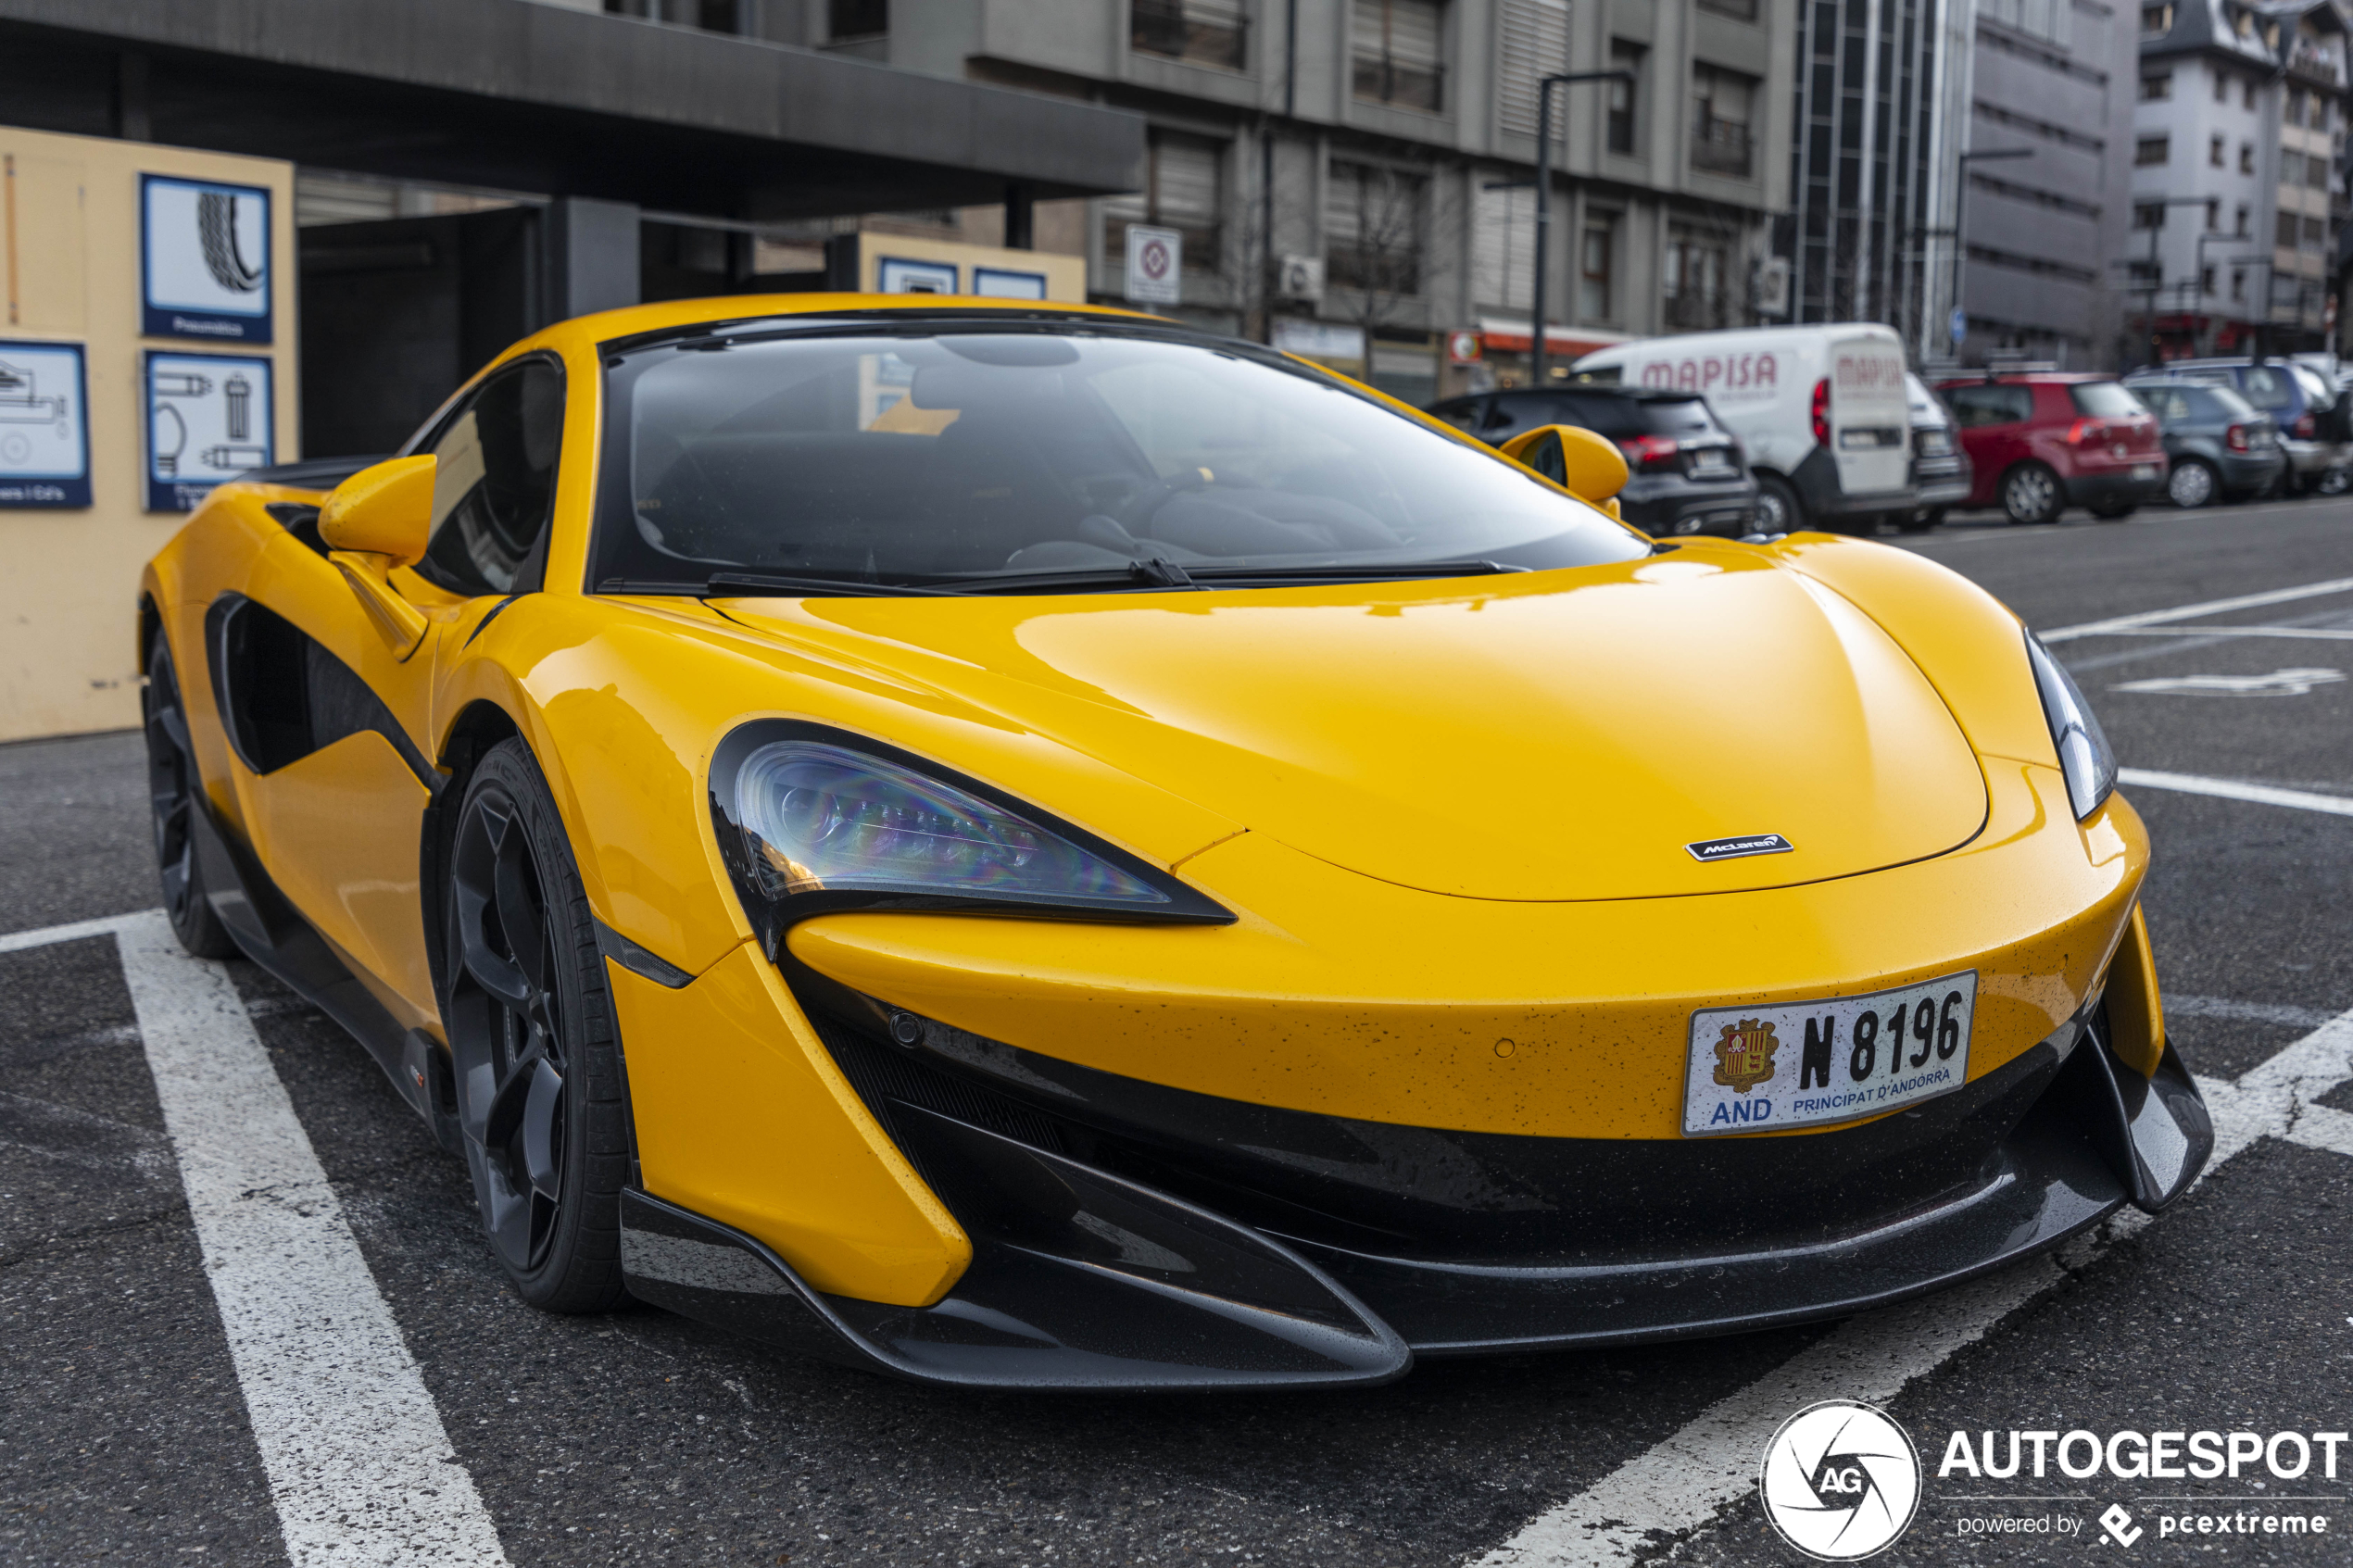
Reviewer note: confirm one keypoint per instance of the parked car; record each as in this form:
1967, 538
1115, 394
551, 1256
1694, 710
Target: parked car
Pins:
1941, 470
2314, 419
2043, 441
1820, 411
1685, 473
2217, 444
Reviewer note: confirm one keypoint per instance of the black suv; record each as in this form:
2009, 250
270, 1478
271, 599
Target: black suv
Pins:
1685, 473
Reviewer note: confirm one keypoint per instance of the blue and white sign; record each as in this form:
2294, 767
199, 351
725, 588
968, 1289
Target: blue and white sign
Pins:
1007, 282
895, 274
204, 259
1959, 323
44, 428
208, 420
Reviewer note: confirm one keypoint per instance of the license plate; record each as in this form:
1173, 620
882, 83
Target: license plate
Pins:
1801, 1064
1710, 462
2144, 470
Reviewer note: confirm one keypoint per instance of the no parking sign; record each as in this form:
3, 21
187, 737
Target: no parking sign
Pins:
1155, 262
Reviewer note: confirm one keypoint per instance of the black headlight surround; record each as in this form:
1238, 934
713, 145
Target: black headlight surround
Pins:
773, 916
2067, 712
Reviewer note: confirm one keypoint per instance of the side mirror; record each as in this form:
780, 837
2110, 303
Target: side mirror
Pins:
381, 517
1588, 466
384, 510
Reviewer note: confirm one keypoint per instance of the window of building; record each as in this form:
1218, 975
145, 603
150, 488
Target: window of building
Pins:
2286, 235
2316, 172
1503, 237
2316, 233
2213, 214
1625, 96
2246, 90
1531, 43
2157, 19
1374, 223
2221, 87
2244, 216
848, 19
1183, 190
2156, 89
2206, 281
2247, 157
1721, 106
1692, 279
2151, 149
2213, 151
709, 16
2142, 274
1743, 10
1596, 256
2292, 104
2149, 214
1200, 32
2238, 283
1394, 48
2291, 167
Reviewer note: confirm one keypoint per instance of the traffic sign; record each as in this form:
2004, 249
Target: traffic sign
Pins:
1155, 265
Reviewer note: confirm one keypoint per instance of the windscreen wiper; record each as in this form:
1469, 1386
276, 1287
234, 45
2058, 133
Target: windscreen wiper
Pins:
1157, 573
818, 584
1351, 572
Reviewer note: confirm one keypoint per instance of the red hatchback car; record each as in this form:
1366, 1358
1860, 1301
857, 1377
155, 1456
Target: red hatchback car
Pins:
2042, 441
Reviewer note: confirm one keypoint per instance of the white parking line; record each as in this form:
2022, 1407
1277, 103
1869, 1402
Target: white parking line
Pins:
360, 1468
2191, 612
1680, 1484
2231, 789
2317, 634
2181, 1004
73, 930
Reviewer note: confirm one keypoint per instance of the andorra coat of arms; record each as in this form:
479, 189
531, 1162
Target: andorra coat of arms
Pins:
1745, 1054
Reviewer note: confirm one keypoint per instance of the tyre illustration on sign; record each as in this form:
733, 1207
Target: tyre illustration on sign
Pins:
205, 259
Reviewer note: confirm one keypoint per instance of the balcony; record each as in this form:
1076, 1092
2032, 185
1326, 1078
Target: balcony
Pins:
2310, 62
1721, 146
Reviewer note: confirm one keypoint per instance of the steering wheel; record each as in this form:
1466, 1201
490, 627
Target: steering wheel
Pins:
1137, 513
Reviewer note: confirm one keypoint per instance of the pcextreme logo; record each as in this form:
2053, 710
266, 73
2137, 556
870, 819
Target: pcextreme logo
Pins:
1840, 1481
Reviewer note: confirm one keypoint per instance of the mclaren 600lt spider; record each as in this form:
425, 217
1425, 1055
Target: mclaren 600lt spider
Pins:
1027, 846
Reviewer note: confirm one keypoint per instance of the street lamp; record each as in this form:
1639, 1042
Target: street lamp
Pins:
1544, 199
1960, 236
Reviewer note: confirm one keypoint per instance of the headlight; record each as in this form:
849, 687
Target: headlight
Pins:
811, 820
2083, 752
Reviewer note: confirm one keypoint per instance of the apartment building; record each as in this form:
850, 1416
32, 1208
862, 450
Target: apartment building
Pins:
2239, 139
2047, 178
1353, 179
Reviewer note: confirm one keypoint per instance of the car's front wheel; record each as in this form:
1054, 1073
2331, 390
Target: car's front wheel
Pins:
2030, 493
531, 1039
172, 787
1778, 508
2192, 484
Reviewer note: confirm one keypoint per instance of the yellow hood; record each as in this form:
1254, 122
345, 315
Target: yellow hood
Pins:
1551, 735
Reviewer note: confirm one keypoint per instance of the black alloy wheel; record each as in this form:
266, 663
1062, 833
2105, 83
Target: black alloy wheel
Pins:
172, 783
1778, 508
533, 1043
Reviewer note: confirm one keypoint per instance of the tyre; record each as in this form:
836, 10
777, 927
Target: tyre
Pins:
533, 1042
172, 783
2030, 493
1778, 508
2192, 484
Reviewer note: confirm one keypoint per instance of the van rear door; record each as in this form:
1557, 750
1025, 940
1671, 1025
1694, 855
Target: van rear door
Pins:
1869, 418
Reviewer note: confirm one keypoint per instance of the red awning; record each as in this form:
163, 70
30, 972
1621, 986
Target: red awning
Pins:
1513, 337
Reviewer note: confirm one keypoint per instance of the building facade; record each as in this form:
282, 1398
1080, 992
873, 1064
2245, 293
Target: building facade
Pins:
2237, 186
2048, 180
1353, 179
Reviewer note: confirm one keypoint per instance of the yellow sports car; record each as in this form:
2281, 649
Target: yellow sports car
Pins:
1040, 847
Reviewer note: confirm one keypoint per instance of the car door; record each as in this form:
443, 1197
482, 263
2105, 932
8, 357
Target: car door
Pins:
338, 715
1992, 418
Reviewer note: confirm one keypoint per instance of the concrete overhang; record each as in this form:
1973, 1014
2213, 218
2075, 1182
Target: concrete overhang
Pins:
530, 97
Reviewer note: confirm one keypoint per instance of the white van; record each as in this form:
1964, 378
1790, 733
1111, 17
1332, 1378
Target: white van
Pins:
1820, 410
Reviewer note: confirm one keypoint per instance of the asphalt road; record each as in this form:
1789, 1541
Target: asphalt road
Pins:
125, 1435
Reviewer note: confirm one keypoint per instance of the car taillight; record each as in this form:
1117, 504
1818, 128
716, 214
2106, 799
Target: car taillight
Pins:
1652, 452
2235, 438
2305, 427
1822, 412
2082, 431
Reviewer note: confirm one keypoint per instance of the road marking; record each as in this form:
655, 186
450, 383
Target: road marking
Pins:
2317, 1126
2191, 612
2185, 1006
360, 1467
2322, 634
73, 930
2231, 789
2297, 682
1680, 1484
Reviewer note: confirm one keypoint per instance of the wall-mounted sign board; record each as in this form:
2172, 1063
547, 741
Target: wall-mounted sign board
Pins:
45, 426
209, 418
1008, 283
901, 274
204, 254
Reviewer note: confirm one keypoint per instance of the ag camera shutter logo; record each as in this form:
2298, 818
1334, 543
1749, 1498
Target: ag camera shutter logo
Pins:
1840, 1482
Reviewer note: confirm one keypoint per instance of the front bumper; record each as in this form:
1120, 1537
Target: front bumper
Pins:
1127, 1236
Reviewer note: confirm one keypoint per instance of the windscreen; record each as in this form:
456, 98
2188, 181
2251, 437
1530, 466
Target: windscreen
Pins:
944, 456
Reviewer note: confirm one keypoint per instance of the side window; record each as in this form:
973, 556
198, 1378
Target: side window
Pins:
496, 485
1463, 413
1975, 406
2267, 388
1513, 414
